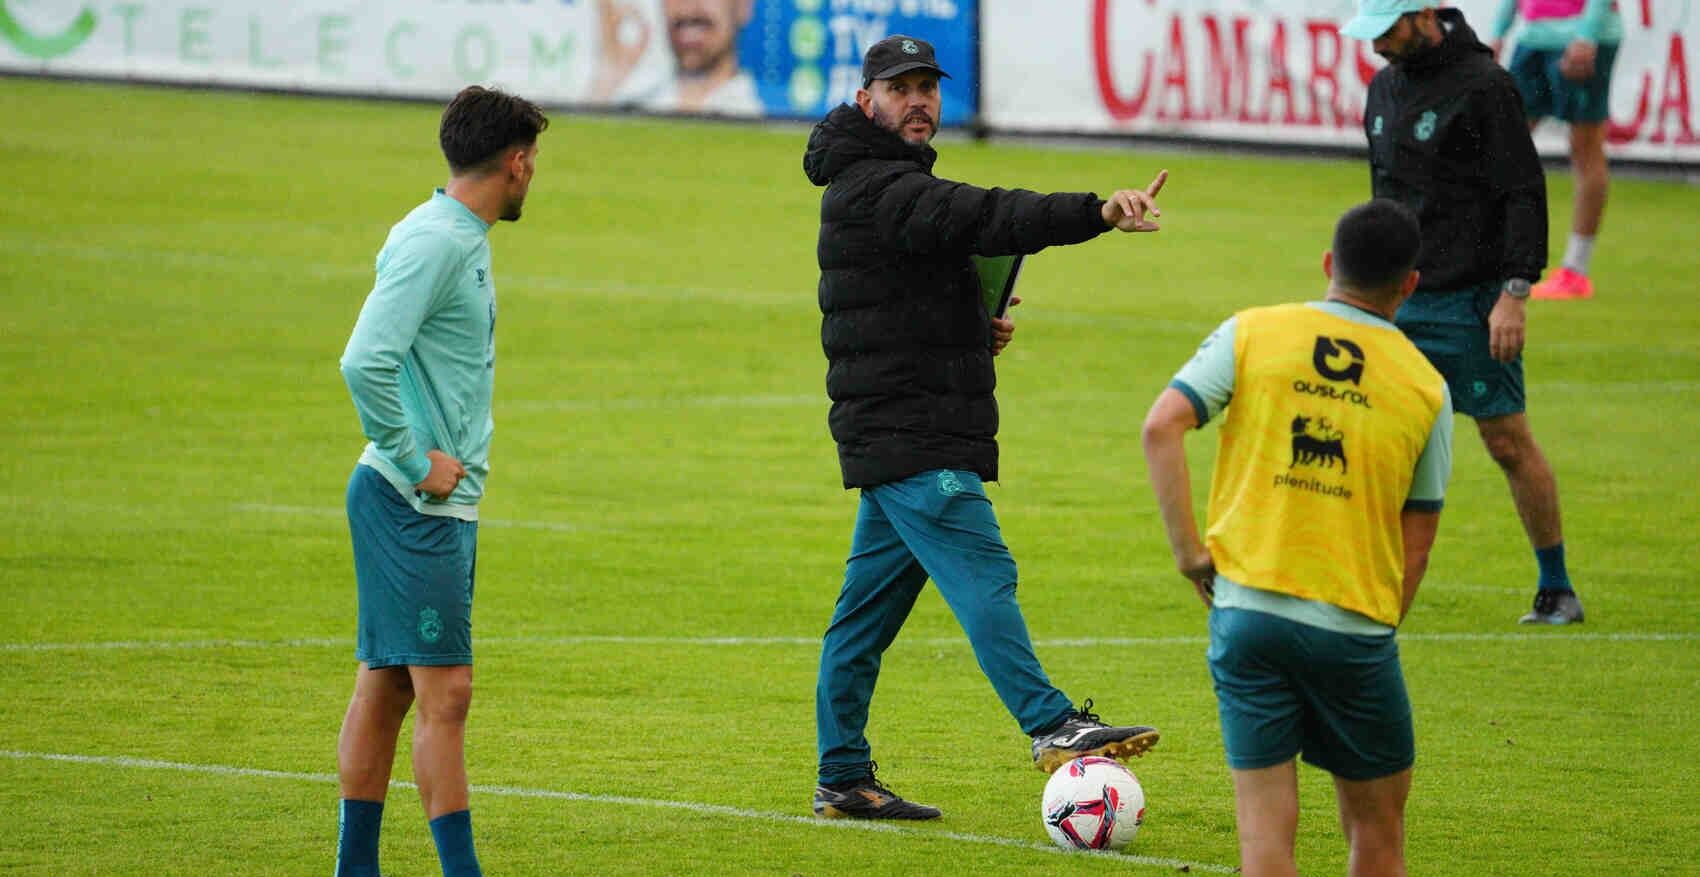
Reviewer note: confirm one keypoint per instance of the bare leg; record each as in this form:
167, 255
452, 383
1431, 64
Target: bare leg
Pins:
1266, 804
1534, 490
365, 749
439, 737
1372, 814
1593, 176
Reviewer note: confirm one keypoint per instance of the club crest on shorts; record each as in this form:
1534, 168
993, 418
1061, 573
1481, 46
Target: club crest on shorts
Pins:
949, 484
430, 625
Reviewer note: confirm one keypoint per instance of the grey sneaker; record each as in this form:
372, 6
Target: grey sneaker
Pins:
866, 798
1554, 607
1082, 734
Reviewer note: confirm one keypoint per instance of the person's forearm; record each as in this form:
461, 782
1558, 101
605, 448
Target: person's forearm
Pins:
1417, 532
1593, 19
1502, 20
1165, 460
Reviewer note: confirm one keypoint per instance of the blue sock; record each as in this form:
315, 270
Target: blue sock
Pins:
453, 833
1553, 575
357, 838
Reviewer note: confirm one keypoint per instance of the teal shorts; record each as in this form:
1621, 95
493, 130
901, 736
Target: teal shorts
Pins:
1546, 92
1285, 689
1451, 329
414, 576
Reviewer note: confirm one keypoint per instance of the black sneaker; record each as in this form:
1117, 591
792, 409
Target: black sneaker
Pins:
866, 798
1082, 734
1554, 607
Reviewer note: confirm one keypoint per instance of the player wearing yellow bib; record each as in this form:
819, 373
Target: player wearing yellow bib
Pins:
1325, 501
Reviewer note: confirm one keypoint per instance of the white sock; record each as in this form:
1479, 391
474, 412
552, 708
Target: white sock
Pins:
1578, 252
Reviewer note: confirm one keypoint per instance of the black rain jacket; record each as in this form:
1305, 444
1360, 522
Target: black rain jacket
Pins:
1448, 139
906, 335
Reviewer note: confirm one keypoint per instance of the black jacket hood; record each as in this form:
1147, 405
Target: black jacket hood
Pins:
847, 136
1460, 40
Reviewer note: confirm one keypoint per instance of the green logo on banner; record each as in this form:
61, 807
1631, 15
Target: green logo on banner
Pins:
49, 46
808, 88
808, 38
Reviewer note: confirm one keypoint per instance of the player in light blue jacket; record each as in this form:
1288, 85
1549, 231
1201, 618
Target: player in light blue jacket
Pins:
420, 366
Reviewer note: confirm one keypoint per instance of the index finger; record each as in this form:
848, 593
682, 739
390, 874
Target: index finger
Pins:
1157, 184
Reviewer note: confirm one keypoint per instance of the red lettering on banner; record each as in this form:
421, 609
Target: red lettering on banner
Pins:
1280, 81
1325, 33
1675, 97
1366, 65
1620, 133
1174, 77
1227, 79
1120, 109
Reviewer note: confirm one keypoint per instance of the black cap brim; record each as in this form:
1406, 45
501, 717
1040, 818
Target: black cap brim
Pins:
896, 70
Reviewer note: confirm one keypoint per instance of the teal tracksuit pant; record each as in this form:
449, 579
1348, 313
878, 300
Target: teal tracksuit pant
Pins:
937, 525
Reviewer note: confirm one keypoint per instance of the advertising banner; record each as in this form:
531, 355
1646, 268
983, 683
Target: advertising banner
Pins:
752, 58
1280, 71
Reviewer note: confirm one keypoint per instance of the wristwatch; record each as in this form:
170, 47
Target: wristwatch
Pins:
1517, 288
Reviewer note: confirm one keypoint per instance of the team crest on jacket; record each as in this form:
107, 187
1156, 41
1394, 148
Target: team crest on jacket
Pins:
1425, 125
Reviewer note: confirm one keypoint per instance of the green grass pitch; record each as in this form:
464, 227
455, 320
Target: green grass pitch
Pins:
665, 531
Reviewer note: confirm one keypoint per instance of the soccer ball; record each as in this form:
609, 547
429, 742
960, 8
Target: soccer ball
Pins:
1093, 803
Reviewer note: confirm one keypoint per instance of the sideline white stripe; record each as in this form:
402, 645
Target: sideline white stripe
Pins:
622, 800
1537, 636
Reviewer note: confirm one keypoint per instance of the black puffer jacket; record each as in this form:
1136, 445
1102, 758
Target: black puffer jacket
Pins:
1448, 139
906, 336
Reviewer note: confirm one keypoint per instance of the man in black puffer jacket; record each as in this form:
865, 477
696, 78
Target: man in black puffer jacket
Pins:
910, 348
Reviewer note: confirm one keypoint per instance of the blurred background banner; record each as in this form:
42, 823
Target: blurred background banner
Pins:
1279, 71
1266, 72
806, 55
783, 58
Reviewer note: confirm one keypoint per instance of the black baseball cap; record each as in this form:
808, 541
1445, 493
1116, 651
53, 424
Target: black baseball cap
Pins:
896, 55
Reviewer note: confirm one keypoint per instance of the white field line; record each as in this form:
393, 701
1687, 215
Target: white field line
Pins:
662, 403
332, 512
1545, 636
721, 810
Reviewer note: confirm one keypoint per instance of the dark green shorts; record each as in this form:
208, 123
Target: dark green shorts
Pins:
1286, 689
414, 574
1451, 329
1546, 91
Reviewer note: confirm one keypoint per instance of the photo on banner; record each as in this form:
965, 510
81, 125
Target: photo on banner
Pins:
768, 58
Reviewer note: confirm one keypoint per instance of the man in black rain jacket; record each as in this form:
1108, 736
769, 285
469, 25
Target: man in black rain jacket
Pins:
1448, 138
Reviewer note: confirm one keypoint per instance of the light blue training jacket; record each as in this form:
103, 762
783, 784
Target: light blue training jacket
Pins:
421, 363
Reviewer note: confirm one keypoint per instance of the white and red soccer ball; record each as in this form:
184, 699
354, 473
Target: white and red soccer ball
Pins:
1093, 803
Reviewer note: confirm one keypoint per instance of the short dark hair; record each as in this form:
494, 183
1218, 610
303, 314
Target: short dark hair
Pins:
481, 123
1376, 244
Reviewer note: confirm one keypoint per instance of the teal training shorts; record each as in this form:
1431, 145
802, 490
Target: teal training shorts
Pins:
1546, 91
414, 577
1451, 329
1285, 689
